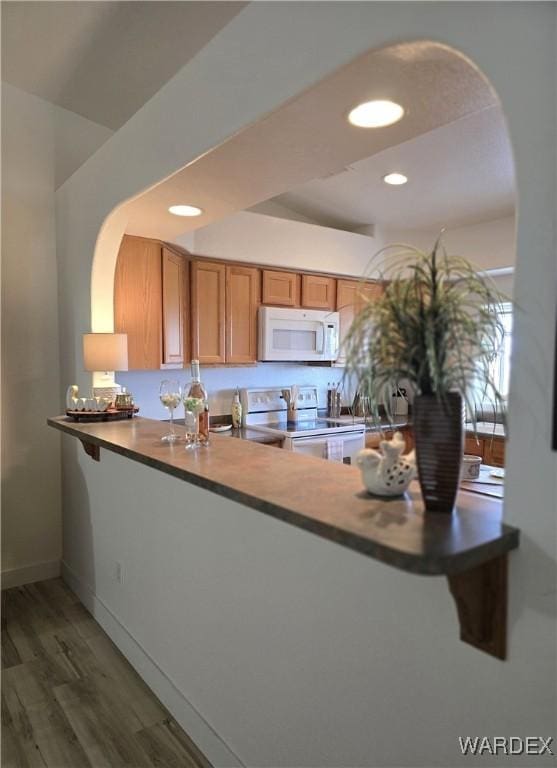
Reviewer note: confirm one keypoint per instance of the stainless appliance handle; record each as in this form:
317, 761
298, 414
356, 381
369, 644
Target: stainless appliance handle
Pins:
320, 341
322, 439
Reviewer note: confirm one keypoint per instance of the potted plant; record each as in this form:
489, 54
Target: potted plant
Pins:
435, 329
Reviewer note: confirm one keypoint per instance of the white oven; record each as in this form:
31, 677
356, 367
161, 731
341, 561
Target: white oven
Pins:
299, 335
339, 447
265, 410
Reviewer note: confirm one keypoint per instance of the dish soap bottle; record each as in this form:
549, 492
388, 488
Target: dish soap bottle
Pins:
236, 410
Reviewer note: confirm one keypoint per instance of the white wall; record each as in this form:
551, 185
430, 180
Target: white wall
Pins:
263, 239
40, 145
221, 384
488, 244
294, 651
298, 652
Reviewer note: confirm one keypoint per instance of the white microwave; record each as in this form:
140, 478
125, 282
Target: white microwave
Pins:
298, 335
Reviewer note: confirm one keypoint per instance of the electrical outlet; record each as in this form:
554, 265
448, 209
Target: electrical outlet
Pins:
119, 572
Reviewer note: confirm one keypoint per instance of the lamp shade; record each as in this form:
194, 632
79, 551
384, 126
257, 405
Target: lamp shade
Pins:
105, 351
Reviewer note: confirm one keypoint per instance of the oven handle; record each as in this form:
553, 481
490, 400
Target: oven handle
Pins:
320, 341
322, 439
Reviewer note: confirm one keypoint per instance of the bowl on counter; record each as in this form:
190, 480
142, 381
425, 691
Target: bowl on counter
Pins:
470, 467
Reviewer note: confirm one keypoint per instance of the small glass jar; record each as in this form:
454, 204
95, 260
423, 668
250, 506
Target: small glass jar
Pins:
123, 401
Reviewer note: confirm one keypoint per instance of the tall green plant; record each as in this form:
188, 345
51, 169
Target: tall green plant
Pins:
436, 327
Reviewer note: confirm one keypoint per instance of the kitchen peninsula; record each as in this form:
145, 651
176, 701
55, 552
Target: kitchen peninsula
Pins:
327, 499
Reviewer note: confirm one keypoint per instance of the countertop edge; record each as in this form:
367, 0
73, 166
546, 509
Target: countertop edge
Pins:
435, 566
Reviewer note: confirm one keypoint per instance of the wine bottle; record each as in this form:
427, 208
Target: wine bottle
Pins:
198, 402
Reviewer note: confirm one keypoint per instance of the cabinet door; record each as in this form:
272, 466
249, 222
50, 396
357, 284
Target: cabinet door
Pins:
172, 309
137, 301
346, 307
208, 311
318, 292
473, 446
281, 288
351, 296
369, 291
408, 439
494, 451
373, 439
242, 300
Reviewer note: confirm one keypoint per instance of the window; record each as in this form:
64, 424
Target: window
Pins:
500, 367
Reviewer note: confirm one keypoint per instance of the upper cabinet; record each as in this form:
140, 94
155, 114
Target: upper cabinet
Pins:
174, 286
292, 289
318, 292
174, 306
243, 296
208, 311
281, 289
149, 291
224, 302
351, 297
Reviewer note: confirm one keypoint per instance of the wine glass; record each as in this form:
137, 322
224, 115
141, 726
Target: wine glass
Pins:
170, 394
192, 408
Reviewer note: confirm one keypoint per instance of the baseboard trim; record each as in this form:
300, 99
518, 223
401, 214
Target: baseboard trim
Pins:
203, 735
16, 577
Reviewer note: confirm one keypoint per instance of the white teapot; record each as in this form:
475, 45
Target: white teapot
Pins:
387, 472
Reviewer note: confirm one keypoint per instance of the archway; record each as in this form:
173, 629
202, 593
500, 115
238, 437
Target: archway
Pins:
439, 87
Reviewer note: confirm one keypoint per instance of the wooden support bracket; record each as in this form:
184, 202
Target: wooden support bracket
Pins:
92, 450
480, 595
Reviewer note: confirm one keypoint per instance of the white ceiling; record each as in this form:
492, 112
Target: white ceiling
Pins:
460, 173
309, 137
104, 60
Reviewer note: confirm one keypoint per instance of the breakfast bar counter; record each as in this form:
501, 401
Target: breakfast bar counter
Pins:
469, 546
325, 498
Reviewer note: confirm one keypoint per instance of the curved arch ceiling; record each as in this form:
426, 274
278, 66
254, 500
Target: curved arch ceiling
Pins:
309, 137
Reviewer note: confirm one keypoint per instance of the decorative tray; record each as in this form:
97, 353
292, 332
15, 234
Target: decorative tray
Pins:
112, 414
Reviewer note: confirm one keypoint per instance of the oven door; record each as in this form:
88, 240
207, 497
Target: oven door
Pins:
321, 446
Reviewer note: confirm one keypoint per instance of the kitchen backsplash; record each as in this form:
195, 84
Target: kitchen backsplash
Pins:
222, 382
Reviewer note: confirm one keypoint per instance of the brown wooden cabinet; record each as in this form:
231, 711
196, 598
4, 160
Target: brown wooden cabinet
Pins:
351, 296
208, 311
173, 284
149, 290
473, 446
373, 439
491, 449
346, 307
494, 451
243, 294
224, 302
318, 292
174, 307
281, 289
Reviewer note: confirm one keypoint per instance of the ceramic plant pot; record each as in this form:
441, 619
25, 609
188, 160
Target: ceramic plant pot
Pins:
439, 441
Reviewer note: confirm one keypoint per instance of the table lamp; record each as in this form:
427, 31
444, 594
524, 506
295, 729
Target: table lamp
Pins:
105, 353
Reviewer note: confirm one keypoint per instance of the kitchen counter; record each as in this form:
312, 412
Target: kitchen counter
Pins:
398, 422
245, 433
486, 429
323, 498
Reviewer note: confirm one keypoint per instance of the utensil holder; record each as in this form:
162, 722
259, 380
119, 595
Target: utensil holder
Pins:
333, 404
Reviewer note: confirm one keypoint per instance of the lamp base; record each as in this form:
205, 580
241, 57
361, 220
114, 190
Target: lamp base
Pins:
110, 392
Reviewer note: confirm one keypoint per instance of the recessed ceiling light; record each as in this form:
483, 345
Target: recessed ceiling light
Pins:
375, 114
396, 179
185, 210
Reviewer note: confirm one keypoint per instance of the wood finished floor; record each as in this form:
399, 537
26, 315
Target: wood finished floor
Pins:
69, 697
